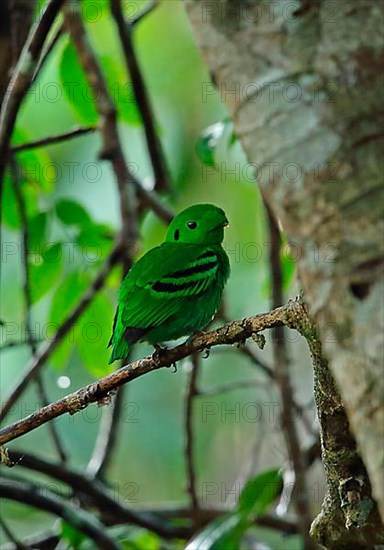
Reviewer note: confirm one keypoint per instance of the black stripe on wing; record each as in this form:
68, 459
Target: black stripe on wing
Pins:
170, 287
198, 268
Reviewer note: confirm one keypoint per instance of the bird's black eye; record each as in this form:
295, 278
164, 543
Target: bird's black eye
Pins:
192, 225
176, 235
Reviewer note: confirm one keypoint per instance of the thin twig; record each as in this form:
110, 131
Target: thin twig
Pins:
79, 518
22, 78
108, 505
106, 438
228, 334
111, 149
232, 386
189, 433
53, 140
48, 50
284, 383
46, 351
161, 175
28, 303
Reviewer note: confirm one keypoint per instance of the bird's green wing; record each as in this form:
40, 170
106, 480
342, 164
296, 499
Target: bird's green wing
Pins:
160, 281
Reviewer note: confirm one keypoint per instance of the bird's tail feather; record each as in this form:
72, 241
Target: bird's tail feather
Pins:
119, 351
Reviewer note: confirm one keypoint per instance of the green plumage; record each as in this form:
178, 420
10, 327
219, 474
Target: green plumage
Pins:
174, 289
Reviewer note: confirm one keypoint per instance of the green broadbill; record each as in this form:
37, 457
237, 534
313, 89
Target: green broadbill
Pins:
175, 288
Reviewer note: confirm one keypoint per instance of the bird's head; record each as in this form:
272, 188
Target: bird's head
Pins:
198, 224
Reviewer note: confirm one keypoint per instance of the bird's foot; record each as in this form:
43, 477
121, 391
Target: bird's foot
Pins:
206, 353
240, 344
159, 352
259, 339
174, 366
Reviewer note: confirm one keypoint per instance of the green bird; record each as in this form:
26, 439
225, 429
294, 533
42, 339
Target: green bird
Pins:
175, 289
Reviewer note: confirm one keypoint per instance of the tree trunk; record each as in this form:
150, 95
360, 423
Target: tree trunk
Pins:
303, 83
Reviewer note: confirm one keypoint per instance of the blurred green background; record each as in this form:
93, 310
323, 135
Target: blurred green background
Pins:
148, 467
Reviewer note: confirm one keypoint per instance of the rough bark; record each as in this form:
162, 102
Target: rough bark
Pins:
302, 81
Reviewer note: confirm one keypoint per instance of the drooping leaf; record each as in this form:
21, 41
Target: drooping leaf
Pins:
227, 530
64, 300
95, 242
37, 226
121, 91
258, 493
45, 270
71, 212
72, 536
76, 87
93, 335
222, 533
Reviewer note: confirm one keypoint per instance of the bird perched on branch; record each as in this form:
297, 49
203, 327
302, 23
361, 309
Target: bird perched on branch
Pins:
175, 289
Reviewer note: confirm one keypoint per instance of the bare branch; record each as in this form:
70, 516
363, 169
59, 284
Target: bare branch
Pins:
189, 433
141, 95
23, 76
235, 331
77, 517
109, 506
107, 437
53, 140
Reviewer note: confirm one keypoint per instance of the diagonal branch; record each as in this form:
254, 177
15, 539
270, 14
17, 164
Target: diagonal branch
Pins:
80, 519
22, 78
141, 96
53, 140
108, 505
236, 331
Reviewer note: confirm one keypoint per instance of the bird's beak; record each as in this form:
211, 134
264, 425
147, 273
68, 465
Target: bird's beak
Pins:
226, 223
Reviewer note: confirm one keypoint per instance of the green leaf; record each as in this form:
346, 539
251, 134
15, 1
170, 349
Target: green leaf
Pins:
227, 530
288, 267
259, 492
37, 226
121, 91
207, 143
76, 87
95, 242
71, 535
64, 300
222, 533
71, 212
45, 271
67, 295
94, 332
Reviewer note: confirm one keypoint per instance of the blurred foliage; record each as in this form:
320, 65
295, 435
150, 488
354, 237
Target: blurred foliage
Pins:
73, 219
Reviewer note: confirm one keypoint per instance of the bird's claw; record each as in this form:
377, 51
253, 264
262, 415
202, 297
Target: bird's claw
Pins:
159, 351
206, 353
174, 366
259, 339
240, 344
